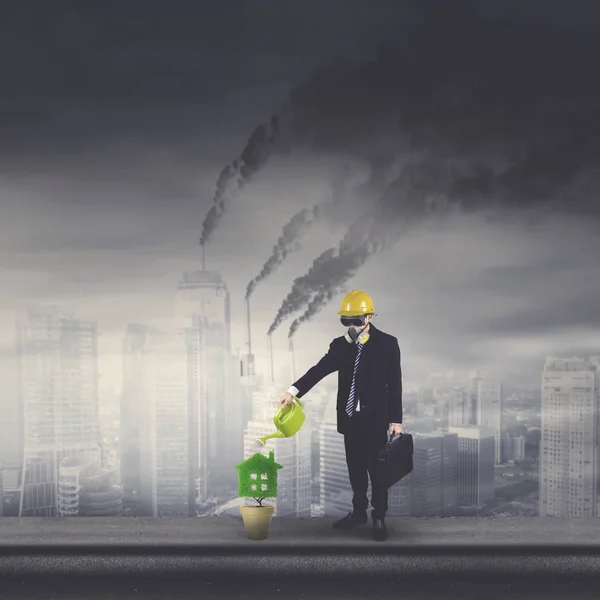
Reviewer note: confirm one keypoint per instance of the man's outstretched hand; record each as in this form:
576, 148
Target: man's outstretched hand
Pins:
286, 399
395, 429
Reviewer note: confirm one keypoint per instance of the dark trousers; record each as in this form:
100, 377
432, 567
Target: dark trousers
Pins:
362, 450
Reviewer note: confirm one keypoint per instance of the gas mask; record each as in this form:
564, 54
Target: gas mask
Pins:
356, 329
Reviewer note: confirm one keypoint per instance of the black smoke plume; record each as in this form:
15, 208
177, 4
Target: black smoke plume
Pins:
494, 115
402, 205
287, 243
289, 240
236, 175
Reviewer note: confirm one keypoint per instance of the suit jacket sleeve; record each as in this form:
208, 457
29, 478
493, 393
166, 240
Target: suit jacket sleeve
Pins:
394, 384
327, 365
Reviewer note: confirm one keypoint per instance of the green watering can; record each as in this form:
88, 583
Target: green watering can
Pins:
288, 421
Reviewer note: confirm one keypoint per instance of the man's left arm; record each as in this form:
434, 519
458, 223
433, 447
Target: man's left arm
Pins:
394, 385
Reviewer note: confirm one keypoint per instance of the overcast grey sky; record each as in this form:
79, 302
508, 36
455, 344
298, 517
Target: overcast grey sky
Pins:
117, 119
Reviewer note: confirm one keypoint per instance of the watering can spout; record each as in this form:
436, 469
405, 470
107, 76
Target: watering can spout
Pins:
288, 421
277, 434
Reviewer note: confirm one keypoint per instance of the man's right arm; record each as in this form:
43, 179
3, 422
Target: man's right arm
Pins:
327, 365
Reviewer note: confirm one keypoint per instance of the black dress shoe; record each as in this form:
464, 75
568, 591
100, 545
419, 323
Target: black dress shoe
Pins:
380, 532
350, 520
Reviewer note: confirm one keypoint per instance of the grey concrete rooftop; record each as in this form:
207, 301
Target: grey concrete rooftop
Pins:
509, 545
215, 535
97, 558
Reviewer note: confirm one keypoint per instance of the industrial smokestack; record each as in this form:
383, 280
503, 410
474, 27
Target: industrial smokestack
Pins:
292, 358
249, 339
271, 363
203, 248
247, 363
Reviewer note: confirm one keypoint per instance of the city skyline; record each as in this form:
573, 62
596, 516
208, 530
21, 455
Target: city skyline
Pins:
171, 180
465, 436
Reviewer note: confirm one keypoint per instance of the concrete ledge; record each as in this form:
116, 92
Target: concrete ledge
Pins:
217, 547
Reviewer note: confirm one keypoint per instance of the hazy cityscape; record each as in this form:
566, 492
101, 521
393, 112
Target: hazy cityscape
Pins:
190, 408
186, 195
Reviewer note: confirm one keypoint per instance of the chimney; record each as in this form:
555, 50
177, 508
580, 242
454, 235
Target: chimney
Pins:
293, 359
248, 359
203, 249
271, 364
248, 326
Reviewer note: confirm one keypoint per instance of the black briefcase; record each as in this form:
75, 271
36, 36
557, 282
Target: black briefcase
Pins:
396, 458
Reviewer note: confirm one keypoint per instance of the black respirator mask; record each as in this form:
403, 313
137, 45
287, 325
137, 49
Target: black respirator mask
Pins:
356, 326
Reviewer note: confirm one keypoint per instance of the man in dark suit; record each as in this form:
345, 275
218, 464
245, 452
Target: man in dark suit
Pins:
369, 402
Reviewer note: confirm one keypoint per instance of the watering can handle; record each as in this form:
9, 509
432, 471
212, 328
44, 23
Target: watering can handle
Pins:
298, 401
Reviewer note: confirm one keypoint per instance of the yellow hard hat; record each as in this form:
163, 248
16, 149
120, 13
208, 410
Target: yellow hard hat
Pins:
356, 303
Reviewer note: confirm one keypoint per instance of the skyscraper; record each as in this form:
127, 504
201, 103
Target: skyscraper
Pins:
202, 311
136, 425
479, 403
59, 392
460, 407
476, 457
434, 480
336, 492
159, 452
569, 444
171, 450
489, 406
11, 418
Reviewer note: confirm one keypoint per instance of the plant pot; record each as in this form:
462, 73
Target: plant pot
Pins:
257, 521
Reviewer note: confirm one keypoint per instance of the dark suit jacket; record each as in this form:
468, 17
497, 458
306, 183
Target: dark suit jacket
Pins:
378, 381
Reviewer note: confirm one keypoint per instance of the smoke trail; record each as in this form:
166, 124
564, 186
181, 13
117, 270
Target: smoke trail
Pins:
236, 175
490, 92
287, 243
519, 121
524, 186
302, 221
402, 204
302, 289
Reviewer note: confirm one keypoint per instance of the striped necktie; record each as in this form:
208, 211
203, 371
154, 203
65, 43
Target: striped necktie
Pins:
351, 406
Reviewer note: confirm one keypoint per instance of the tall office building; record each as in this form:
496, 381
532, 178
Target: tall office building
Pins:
479, 403
569, 445
450, 470
489, 405
250, 382
518, 447
434, 480
203, 314
11, 427
460, 407
59, 393
476, 458
336, 492
11, 417
136, 425
159, 466
293, 453
165, 379
321, 397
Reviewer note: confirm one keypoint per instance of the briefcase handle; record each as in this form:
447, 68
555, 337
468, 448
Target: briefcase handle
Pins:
387, 445
392, 436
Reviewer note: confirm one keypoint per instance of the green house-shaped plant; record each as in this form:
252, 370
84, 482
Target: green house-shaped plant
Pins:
257, 477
